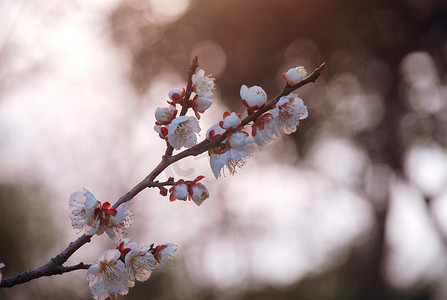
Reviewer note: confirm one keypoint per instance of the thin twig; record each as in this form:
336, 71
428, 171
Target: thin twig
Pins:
189, 86
185, 105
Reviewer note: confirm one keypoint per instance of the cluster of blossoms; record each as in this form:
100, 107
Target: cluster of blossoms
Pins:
117, 269
230, 143
232, 152
284, 118
181, 131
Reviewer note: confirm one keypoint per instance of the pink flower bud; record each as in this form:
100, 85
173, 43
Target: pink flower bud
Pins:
176, 94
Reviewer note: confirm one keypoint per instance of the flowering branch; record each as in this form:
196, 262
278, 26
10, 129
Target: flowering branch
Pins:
287, 89
227, 144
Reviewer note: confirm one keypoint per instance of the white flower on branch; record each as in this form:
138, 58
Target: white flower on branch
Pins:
114, 221
214, 132
179, 191
198, 191
108, 276
240, 149
253, 98
295, 75
138, 259
140, 262
230, 121
165, 253
232, 153
82, 207
287, 112
164, 115
200, 104
239, 141
88, 214
264, 129
182, 132
203, 85
194, 190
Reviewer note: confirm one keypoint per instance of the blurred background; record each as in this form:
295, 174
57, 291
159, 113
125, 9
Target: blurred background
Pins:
351, 206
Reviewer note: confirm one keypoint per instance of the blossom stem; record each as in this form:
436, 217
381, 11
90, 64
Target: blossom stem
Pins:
191, 71
185, 105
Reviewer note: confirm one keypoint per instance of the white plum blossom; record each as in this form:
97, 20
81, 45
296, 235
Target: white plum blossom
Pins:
182, 132
165, 253
108, 276
82, 206
139, 261
199, 193
200, 104
264, 129
233, 152
179, 191
176, 94
214, 132
253, 97
239, 140
88, 214
237, 147
114, 221
295, 75
287, 112
164, 115
240, 148
203, 85
230, 121
217, 161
